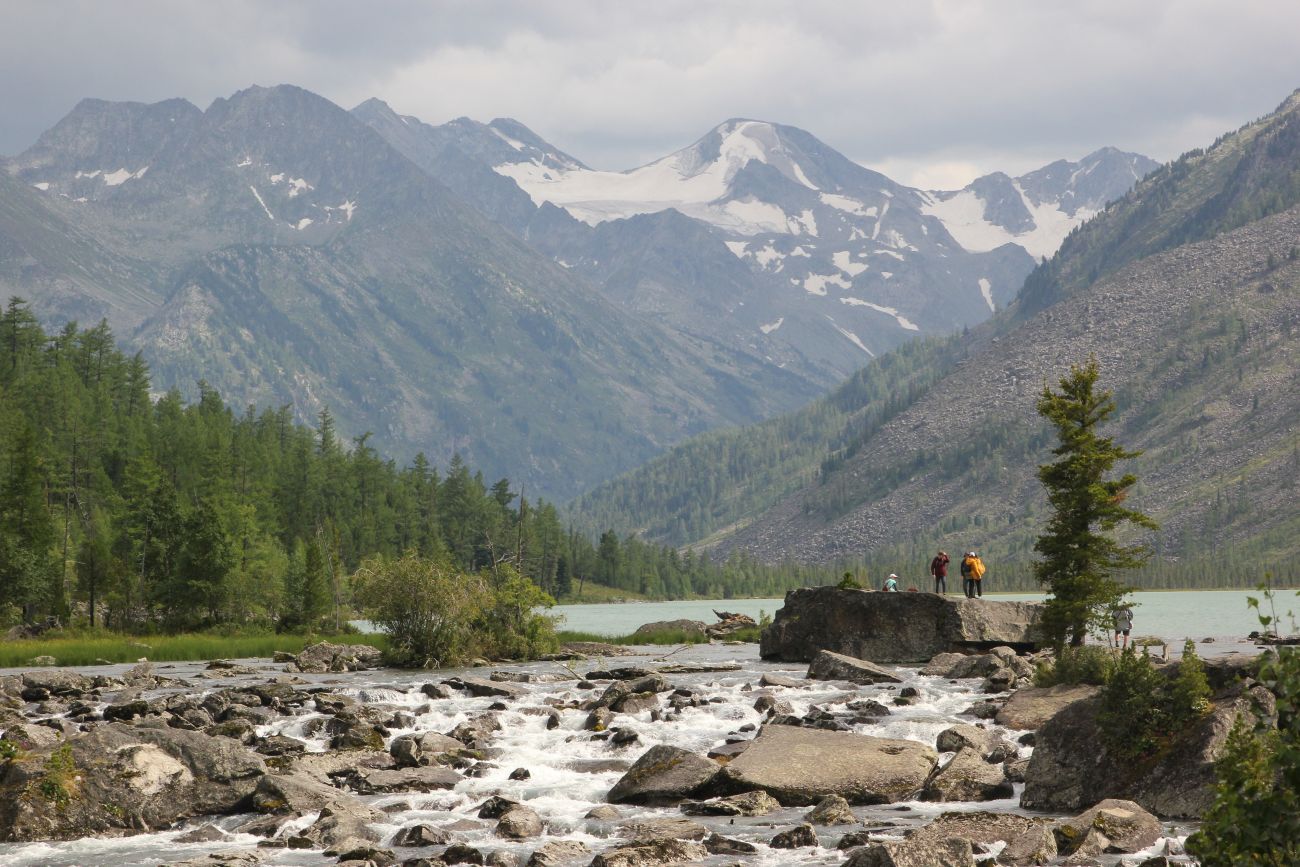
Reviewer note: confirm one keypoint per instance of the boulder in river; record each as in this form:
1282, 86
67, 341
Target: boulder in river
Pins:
1029, 839
647, 853
894, 627
800, 766
744, 804
119, 777
664, 774
828, 665
690, 628
952, 852
968, 777
1031, 706
1071, 769
326, 656
1109, 826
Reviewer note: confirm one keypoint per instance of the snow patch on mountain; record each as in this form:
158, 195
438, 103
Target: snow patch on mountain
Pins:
902, 320
258, 196
986, 289
769, 328
963, 215
843, 261
815, 284
852, 338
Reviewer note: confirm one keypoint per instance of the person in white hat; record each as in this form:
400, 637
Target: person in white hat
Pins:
891, 584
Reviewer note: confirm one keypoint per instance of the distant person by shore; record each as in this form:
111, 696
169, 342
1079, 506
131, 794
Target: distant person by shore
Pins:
891, 584
1123, 625
972, 574
939, 572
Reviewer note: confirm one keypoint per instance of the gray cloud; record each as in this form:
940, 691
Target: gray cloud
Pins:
927, 92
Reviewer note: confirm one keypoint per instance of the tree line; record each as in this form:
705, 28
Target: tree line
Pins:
146, 511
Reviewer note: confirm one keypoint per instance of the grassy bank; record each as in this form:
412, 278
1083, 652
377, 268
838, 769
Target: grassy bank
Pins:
94, 649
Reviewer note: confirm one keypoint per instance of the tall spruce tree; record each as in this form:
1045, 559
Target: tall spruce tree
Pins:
1079, 554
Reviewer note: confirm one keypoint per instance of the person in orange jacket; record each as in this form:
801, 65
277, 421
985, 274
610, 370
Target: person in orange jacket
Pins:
972, 572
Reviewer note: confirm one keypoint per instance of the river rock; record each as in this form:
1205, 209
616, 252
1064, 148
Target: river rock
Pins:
648, 853
800, 766
952, 852
621, 689
481, 687
664, 774
827, 665
1070, 770
798, 837
991, 746
1031, 706
831, 810
941, 663
40, 685
1110, 826
894, 627
367, 781
744, 804
968, 777
1029, 840
344, 826
119, 777
294, 793
414, 836
558, 853
691, 628
770, 678
519, 822
337, 657
669, 828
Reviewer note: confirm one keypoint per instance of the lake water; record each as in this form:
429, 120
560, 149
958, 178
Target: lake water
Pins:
1168, 614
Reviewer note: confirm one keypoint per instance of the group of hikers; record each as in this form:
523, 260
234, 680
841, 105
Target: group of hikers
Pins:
972, 575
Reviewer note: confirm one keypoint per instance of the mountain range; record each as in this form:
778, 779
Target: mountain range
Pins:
1187, 292
469, 287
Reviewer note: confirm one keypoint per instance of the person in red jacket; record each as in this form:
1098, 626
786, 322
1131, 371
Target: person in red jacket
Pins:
939, 571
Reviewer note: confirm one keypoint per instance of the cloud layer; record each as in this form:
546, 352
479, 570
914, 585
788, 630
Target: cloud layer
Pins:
930, 93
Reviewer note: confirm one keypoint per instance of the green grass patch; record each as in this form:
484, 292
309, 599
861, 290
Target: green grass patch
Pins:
594, 594
185, 647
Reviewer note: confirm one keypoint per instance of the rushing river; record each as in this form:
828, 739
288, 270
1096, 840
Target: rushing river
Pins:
565, 783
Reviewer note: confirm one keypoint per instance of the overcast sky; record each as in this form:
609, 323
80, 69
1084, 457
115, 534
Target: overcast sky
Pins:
931, 93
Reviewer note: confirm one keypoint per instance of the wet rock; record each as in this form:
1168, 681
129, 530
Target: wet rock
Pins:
953, 852
799, 766
480, 687
520, 774
280, 745
1030, 707
343, 825
670, 828
558, 853
598, 720
202, 834
477, 731
941, 663
244, 858
495, 807
827, 665
868, 708
772, 679
798, 837
991, 746
968, 777
367, 854
1015, 769
519, 822
421, 835
636, 703
744, 804
648, 853
690, 628
422, 779
715, 844
664, 774
1029, 839
459, 853
430, 748
296, 793
624, 736
618, 691
118, 777
983, 709
727, 752
831, 810
604, 813
1111, 826
502, 858
598, 766
325, 656
40, 685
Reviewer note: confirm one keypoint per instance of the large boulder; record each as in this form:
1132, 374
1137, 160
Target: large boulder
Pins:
1029, 840
800, 766
953, 852
694, 628
119, 777
326, 656
827, 665
968, 777
894, 627
744, 804
646, 853
1032, 706
664, 774
1071, 769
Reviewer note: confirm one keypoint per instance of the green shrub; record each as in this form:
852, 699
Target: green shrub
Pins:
1255, 818
848, 582
58, 777
1190, 691
1133, 714
514, 627
1090, 664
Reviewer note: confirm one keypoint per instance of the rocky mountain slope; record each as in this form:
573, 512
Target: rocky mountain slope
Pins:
833, 263
279, 248
1195, 341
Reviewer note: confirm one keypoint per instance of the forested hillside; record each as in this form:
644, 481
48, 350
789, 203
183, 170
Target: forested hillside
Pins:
169, 514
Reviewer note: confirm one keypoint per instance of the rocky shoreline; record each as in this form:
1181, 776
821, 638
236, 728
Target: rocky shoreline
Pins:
706, 755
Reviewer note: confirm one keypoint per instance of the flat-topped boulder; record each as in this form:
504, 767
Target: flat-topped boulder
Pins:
895, 627
801, 766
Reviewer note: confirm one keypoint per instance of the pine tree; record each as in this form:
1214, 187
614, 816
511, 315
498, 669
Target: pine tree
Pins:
1079, 555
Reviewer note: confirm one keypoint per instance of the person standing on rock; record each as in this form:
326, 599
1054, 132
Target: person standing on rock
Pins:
972, 572
939, 572
891, 584
1123, 624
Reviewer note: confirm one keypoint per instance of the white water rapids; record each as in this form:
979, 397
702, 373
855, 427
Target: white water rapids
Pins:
559, 788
